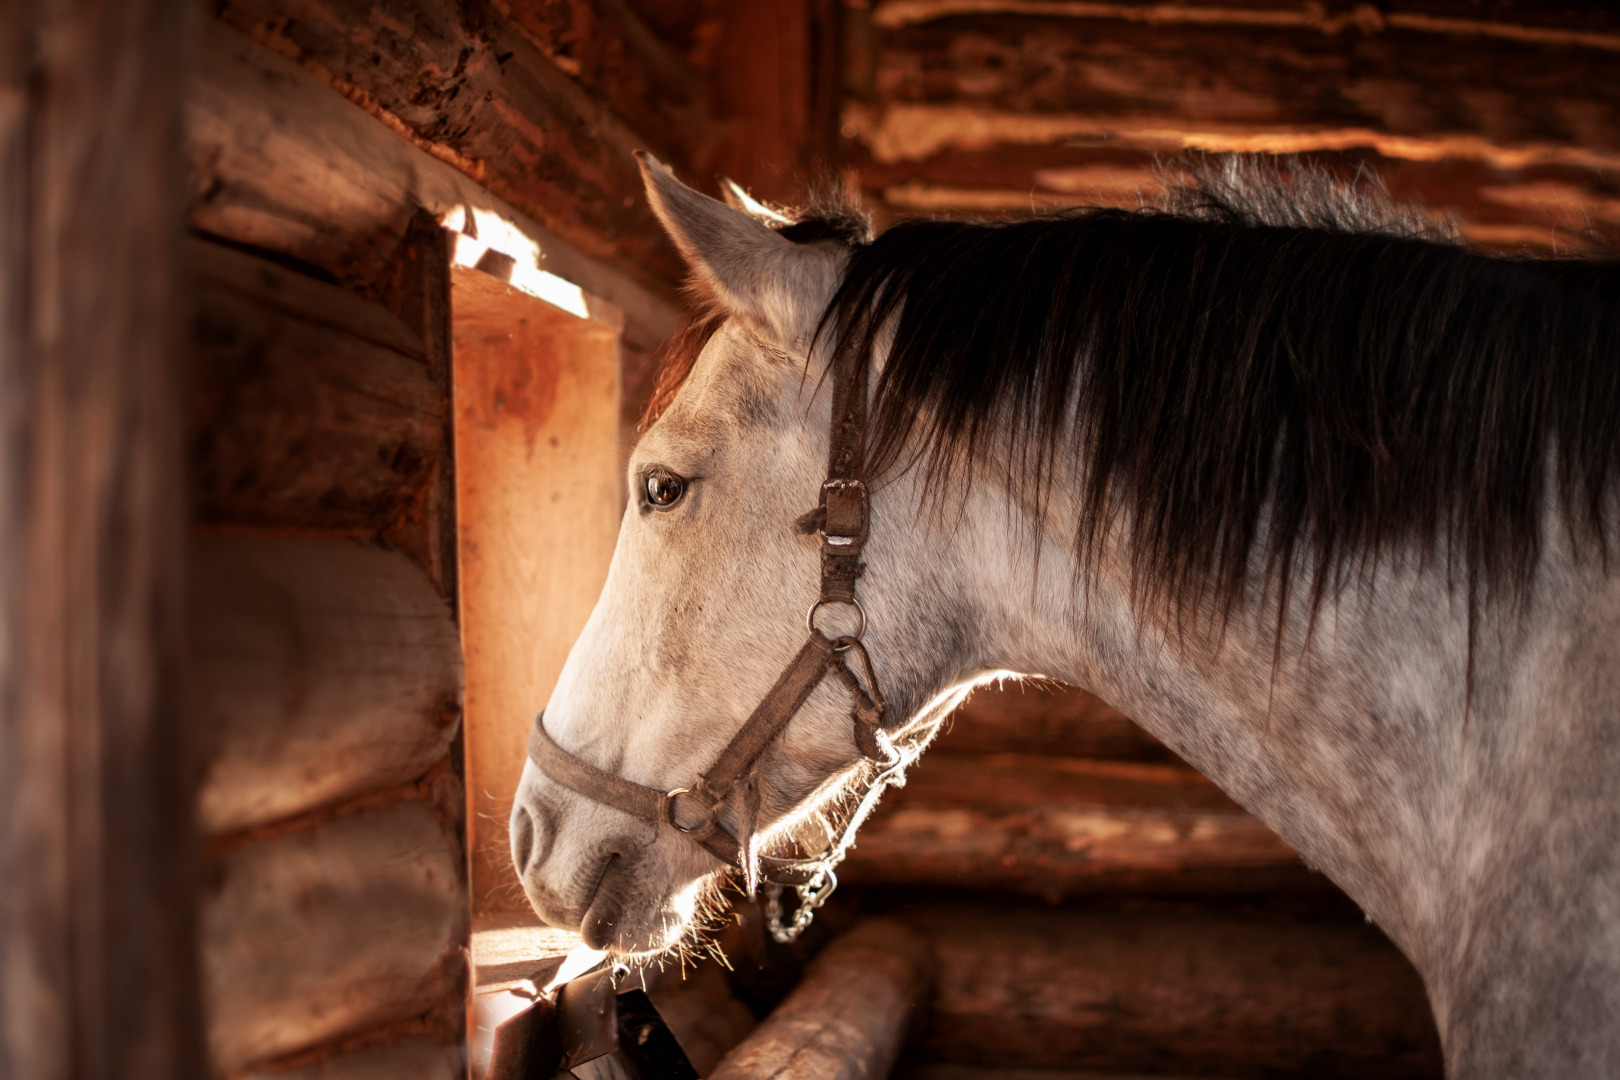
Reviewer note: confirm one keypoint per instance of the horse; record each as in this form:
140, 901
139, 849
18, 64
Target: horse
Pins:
1319, 496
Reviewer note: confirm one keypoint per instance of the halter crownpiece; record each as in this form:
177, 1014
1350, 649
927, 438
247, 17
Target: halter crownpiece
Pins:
842, 518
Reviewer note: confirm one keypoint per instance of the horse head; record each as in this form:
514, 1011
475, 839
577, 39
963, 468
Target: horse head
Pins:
705, 609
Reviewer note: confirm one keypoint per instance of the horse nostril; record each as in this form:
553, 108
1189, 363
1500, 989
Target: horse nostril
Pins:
522, 837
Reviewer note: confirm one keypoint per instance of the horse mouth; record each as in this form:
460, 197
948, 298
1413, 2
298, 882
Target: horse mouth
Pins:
604, 910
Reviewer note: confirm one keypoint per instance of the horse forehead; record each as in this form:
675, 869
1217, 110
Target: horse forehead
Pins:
738, 382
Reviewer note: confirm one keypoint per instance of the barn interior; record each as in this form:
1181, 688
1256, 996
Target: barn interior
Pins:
363, 301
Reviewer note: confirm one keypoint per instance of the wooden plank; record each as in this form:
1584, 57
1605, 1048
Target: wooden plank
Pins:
279, 162
325, 670
311, 408
1058, 827
539, 492
848, 1018
96, 906
328, 931
1204, 994
458, 80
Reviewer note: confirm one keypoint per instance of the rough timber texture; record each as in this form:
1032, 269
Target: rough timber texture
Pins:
459, 80
1206, 995
97, 965
280, 161
414, 1059
311, 408
330, 930
1508, 118
325, 670
848, 1017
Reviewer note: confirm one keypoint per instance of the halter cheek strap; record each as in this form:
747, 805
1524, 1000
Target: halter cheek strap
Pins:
842, 519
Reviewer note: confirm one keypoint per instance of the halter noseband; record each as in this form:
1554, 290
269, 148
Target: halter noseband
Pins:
842, 519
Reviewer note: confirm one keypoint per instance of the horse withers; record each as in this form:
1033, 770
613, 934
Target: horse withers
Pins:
1323, 500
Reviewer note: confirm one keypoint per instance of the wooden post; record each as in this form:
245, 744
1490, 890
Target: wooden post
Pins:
848, 1019
96, 845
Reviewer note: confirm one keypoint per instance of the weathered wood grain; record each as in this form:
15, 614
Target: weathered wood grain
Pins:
460, 81
325, 669
330, 930
606, 47
1202, 994
311, 408
1057, 827
96, 897
1134, 80
279, 161
848, 1018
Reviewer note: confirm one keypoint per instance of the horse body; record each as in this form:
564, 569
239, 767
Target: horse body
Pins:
1444, 754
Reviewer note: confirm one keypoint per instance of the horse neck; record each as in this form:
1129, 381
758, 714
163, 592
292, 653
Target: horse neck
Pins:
1363, 742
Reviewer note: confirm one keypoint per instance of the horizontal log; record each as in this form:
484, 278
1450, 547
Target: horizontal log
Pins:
311, 407
1544, 206
324, 669
848, 1018
315, 934
414, 1058
1058, 827
1036, 718
605, 46
460, 81
1206, 994
1136, 79
279, 161
702, 1012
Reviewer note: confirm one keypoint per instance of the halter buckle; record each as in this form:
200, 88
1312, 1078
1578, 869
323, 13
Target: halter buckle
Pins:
701, 831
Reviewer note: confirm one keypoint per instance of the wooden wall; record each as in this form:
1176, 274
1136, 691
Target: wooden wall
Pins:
1505, 115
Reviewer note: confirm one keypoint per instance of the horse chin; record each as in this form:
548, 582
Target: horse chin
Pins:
624, 919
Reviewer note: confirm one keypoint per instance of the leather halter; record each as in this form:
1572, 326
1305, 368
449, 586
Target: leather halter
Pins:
842, 519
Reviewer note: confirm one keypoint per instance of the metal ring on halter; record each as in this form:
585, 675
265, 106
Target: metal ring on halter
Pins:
810, 617
710, 822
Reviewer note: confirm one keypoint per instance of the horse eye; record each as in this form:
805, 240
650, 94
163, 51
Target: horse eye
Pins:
664, 489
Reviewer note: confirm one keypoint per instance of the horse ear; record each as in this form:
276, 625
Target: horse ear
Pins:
754, 272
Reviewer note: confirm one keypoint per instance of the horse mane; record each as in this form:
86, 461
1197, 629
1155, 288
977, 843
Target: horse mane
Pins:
1267, 371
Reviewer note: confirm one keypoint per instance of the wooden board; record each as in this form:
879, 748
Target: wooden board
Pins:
328, 931
539, 493
324, 670
96, 902
1208, 995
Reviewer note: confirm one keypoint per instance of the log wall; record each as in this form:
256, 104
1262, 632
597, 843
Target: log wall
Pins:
1505, 117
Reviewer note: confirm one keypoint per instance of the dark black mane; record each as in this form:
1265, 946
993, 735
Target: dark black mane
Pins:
1252, 383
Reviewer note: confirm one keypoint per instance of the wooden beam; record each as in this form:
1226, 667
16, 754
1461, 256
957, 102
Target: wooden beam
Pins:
1205, 994
461, 82
848, 1018
98, 896
1024, 79
281, 163
1047, 719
